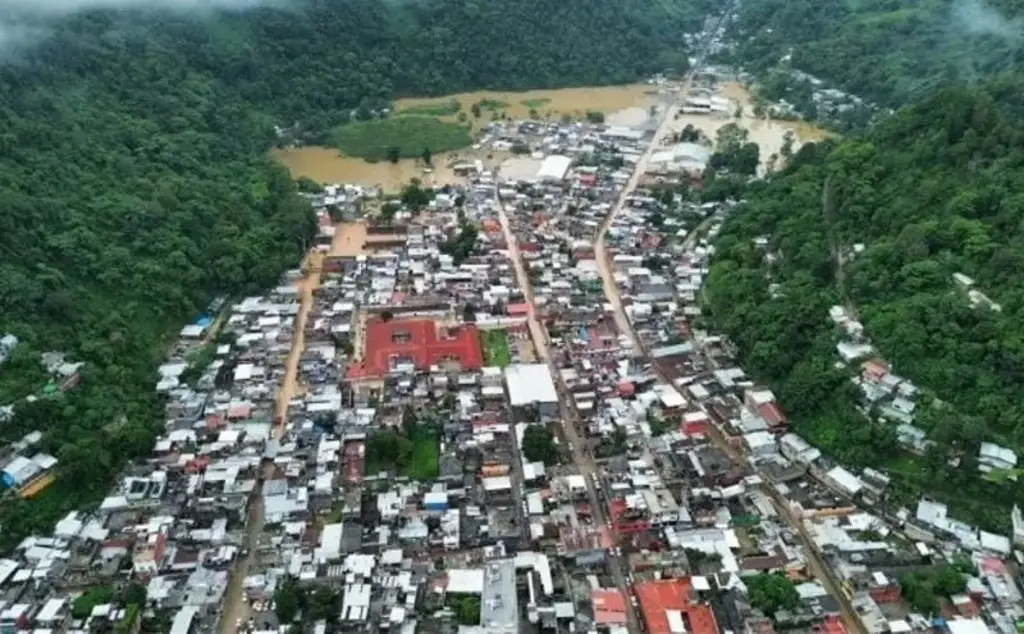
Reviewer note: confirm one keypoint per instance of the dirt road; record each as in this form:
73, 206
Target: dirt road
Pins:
235, 606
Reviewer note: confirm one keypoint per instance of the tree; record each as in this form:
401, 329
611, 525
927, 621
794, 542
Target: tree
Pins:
733, 152
134, 594
394, 153
463, 242
477, 111
415, 196
427, 157
308, 185
595, 117
289, 600
787, 144
467, 610
771, 592
539, 444
919, 591
324, 604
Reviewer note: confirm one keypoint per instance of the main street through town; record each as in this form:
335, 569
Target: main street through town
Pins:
583, 460
815, 563
570, 419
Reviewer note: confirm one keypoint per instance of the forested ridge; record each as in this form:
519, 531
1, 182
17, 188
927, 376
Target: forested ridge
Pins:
890, 52
134, 185
935, 190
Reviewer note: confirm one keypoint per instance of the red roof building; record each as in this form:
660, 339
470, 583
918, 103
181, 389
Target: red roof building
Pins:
772, 415
609, 607
832, 625
521, 309
417, 341
668, 607
626, 520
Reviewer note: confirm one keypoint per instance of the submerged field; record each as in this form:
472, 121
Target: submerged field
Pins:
407, 136
517, 105
329, 165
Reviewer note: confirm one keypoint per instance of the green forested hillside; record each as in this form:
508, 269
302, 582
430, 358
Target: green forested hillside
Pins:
935, 190
890, 52
134, 188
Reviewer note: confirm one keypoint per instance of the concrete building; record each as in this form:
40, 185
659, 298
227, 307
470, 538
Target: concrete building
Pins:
531, 385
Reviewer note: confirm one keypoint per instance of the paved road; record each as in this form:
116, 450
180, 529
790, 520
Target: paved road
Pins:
570, 418
815, 563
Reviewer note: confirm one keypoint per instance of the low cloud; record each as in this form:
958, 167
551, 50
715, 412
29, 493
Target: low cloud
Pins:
23, 23
974, 17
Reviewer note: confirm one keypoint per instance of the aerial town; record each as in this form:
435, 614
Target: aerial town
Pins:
496, 407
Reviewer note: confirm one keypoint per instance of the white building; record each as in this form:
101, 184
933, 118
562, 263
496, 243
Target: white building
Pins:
532, 385
992, 457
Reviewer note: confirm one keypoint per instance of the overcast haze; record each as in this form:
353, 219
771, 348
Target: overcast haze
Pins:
978, 18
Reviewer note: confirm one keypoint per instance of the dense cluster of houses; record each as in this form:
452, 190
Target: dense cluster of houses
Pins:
382, 437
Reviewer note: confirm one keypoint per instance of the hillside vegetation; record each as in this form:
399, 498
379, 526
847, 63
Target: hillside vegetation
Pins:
134, 185
890, 52
937, 189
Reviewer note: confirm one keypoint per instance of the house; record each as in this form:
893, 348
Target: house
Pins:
992, 457
7, 345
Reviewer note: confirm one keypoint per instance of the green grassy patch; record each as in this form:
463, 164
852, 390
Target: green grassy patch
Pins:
410, 135
496, 347
425, 458
434, 109
492, 104
82, 606
535, 103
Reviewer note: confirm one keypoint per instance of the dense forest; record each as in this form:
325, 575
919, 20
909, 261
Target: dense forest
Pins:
935, 190
135, 187
889, 52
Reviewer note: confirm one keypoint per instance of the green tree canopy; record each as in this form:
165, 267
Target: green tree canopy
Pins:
539, 444
771, 592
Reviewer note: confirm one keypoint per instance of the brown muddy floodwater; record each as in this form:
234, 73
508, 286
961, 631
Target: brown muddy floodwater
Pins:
328, 165
769, 134
551, 103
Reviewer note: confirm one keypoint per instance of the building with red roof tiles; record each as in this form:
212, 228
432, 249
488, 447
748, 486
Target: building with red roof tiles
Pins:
773, 416
420, 343
520, 309
628, 520
668, 607
609, 607
832, 625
